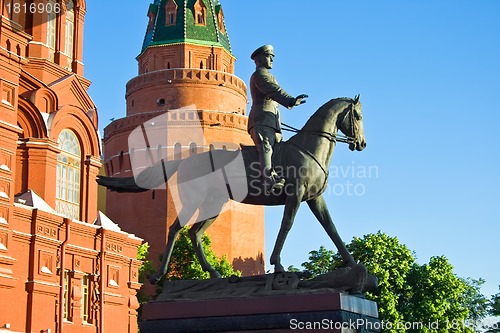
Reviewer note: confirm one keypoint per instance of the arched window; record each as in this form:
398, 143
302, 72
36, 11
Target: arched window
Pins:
170, 12
51, 30
68, 175
192, 149
70, 32
177, 151
199, 12
220, 21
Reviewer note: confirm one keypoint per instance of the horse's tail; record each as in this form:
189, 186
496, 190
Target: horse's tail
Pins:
150, 178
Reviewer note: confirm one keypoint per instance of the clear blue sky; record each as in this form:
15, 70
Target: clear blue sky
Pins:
429, 77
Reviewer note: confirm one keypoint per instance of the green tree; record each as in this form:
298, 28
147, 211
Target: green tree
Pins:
409, 292
494, 310
437, 295
145, 270
320, 262
292, 268
474, 300
184, 264
389, 260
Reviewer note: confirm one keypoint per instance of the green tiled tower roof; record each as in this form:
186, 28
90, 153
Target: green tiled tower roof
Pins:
185, 30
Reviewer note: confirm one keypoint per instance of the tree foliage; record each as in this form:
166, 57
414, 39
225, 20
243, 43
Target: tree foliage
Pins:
495, 304
320, 262
409, 292
437, 295
184, 264
391, 262
494, 310
145, 270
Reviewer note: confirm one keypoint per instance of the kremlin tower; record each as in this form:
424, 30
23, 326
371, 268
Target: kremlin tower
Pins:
185, 63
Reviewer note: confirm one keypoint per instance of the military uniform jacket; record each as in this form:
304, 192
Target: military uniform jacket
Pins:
266, 94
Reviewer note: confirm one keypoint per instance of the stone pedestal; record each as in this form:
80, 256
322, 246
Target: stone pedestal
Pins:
322, 310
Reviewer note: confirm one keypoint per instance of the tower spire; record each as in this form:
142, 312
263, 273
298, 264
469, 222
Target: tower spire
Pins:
199, 22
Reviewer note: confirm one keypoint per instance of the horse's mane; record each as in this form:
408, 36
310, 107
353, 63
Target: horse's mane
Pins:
338, 100
326, 108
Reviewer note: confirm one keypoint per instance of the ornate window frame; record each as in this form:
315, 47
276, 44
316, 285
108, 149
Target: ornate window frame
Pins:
68, 175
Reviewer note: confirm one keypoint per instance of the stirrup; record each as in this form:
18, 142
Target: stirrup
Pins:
274, 183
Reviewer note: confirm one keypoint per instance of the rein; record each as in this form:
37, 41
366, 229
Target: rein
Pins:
331, 137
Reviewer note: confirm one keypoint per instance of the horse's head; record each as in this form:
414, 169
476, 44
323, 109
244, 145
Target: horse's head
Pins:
350, 122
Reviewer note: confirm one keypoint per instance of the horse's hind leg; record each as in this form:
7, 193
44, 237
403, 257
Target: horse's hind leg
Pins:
320, 210
173, 232
196, 234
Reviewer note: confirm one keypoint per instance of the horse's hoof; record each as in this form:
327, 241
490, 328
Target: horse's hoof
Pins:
234, 278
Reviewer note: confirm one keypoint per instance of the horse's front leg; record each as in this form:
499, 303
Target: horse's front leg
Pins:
320, 210
291, 206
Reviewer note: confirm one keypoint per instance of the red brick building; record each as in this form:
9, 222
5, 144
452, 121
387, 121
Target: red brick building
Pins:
185, 63
64, 267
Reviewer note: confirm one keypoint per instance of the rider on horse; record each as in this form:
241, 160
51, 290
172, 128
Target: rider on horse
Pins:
264, 119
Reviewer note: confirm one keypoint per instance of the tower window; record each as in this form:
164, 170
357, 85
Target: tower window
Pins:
51, 31
70, 31
220, 22
68, 175
199, 12
170, 12
177, 151
193, 149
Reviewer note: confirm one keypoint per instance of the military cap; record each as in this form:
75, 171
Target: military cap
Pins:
266, 49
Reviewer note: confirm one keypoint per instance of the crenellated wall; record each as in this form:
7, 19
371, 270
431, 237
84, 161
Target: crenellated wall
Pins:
200, 89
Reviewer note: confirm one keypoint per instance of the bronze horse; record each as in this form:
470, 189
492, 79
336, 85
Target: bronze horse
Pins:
309, 151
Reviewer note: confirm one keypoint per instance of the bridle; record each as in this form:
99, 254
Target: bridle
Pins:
354, 132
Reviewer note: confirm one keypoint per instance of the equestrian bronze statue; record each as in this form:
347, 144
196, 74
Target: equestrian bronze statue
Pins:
303, 161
